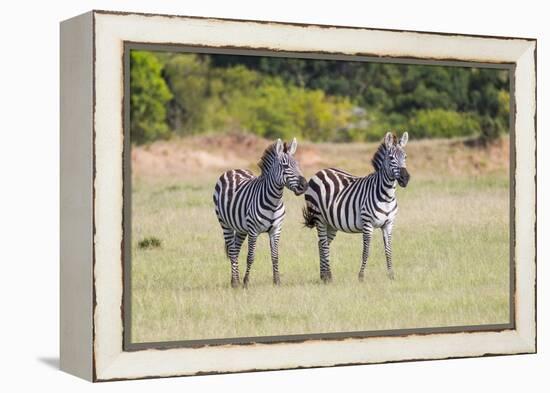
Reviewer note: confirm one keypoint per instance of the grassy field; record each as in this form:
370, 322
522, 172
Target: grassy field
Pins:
451, 248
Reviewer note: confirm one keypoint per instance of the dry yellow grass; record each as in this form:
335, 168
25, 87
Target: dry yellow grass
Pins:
451, 252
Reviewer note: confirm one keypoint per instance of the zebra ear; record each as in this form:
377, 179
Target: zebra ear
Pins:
388, 140
404, 139
293, 147
279, 146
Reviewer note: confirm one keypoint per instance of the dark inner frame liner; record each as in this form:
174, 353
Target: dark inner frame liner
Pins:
126, 249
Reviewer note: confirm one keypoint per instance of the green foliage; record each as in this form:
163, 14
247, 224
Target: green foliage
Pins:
187, 78
149, 96
495, 123
381, 122
319, 100
212, 99
441, 123
278, 110
149, 242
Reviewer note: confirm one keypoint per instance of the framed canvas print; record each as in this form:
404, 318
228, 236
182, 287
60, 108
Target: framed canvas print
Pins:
245, 195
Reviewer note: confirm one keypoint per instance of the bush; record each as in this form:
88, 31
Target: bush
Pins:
493, 127
276, 110
316, 100
441, 123
149, 242
149, 96
187, 79
380, 123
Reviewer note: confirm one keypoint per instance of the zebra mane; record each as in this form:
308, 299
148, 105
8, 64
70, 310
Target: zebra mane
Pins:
380, 154
268, 158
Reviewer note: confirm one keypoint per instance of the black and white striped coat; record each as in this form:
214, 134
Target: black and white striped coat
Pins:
339, 201
247, 205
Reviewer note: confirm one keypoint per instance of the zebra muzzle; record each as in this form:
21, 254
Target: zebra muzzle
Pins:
404, 177
302, 186
298, 187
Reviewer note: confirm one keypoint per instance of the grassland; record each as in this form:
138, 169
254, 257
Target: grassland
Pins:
451, 247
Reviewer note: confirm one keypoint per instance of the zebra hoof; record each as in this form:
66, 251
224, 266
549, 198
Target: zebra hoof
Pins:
361, 277
327, 279
276, 283
235, 283
391, 275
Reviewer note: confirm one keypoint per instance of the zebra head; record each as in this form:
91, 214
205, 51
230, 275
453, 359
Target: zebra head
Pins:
395, 161
288, 169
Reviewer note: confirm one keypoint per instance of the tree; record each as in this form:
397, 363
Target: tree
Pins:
149, 96
188, 78
317, 99
440, 123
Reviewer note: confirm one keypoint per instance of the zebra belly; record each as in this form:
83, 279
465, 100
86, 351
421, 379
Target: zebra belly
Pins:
266, 221
385, 212
349, 218
228, 198
340, 217
336, 211
344, 202
377, 220
346, 220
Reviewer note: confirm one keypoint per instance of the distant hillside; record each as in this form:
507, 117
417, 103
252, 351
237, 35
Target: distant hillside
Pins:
211, 154
317, 100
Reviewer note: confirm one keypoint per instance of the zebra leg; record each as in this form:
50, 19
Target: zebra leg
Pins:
367, 236
386, 234
229, 239
274, 245
330, 236
325, 236
250, 259
234, 250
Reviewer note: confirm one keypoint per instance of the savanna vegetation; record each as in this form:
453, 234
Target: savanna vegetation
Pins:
180, 94
451, 246
193, 116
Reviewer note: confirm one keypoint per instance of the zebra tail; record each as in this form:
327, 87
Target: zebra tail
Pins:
309, 217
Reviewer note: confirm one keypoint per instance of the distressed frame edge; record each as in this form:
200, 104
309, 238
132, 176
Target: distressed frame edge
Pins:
304, 24
259, 370
526, 128
76, 196
528, 341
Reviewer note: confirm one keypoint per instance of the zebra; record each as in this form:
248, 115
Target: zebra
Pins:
339, 201
250, 205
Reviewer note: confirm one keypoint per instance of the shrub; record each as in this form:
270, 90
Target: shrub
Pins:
149, 96
149, 242
441, 123
380, 123
316, 100
276, 110
491, 129
186, 77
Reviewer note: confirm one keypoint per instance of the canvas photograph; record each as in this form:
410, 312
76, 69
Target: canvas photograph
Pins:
274, 197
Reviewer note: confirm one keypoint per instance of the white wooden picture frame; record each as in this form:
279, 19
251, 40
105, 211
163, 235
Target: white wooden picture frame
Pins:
92, 194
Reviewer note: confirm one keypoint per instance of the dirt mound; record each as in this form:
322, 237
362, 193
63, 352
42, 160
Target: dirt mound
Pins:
180, 159
232, 141
308, 156
187, 157
478, 160
212, 154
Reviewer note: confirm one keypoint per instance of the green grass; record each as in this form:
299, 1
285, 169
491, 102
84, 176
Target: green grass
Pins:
451, 259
